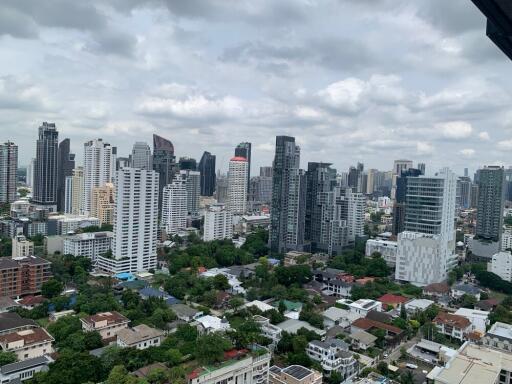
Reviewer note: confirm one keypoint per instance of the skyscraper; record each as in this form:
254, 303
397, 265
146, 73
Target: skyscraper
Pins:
187, 164
174, 206
399, 207
207, 170
288, 209
135, 222
74, 194
103, 203
463, 192
65, 166
8, 171
355, 177
399, 166
99, 168
141, 156
425, 252
45, 167
221, 188
192, 181
244, 150
164, 163
237, 185
489, 214
30, 173
320, 178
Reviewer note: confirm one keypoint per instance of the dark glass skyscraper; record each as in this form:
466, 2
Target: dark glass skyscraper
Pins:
207, 170
164, 163
187, 164
287, 214
244, 150
65, 166
400, 207
489, 216
45, 166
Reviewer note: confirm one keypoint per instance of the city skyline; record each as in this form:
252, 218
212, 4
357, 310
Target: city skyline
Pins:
441, 98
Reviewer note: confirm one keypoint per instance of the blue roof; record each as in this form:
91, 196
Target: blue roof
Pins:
172, 300
125, 276
152, 292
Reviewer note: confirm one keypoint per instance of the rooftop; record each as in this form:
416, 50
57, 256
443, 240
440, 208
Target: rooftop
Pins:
364, 337
453, 320
112, 317
439, 288
467, 288
10, 321
138, 333
22, 365
366, 324
292, 326
389, 298
501, 330
29, 336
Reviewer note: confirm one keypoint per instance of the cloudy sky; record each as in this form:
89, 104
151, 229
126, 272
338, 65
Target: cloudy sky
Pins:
352, 80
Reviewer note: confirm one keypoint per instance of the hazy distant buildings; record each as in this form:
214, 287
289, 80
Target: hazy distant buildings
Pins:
425, 252
218, 223
355, 178
65, 166
261, 186
45, 167
207, 170
8, 171
135, 222
99, 168
237, 185
464, 185
489, 220
193, 183
164, 164
221, 188
399, 166
287, 215
141, 156
174, 206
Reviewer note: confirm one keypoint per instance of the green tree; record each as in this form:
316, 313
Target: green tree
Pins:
221, 282
235, 303
7, 358
210, 348
51, 288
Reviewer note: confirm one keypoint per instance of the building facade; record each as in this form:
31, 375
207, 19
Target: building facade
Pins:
23, 275
8, 172
74, 199
218, 223
89, 244
45, 167
141, 156
164, 164
237, 185
501, 265
207, 169
174, 207
244, 150
103, 203
65, 166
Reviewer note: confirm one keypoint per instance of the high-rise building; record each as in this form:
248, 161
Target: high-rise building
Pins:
74, 195
244, 150
489, 214
207, 170
135, 222
221, 188
266, 171
65, 166
288, 209
400, 206
99, 168
164, 163
421, 167
193, 183
466, 172
261, 189
352, 205
8, 171
426, 248
218, 223
122, 162
237, 185
103, 203
508, 184
174, 206
187, 164
355, 177
399, 166
45, 168
320, 178
141, 156
30, 173
463, 192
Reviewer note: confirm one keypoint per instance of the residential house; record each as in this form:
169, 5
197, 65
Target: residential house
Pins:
24, 370
262, 306
365, 324
209, 324
293, 325
499, 336
7, 304
337, 288
27, 343
296, 258
337, 316
460, 290
294, 374
268, 330
452, 325
140, 337
417, 305
361, 306
334, 356
186, 313
11, 322
106, 323
362, 340
479, 319
437, 290
393, 301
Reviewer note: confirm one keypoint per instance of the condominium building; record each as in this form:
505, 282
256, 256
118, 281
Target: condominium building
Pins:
103, 202
294, 374
45, 167
99, 168
141, 156
21, 247
244, 150
135, 222
192, 181
218, 223
248, 367
174, 206
426, 249
89, 244
108, 324
268, 330
207, 169
66, 164
8, 172
499, 336
74, 192
237, 185
501, 265
23, 275
64, 224
164, 164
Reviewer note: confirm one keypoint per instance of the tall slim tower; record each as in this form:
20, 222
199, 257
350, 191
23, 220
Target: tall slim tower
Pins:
174, 206
135, 222
66, 164
45, 167
192, 181
164, 163
141, 156
207, 170
8, 171
287, 215
74, 199
244, 150
99, 168
237, 185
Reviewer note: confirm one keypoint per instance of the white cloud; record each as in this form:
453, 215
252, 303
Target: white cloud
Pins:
455, 129
423, 148
467, 152
505, 145
484, 136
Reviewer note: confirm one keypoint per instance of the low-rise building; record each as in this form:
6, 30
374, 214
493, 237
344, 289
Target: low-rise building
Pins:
139, 337
499, 336
361, 306
296, 258
367, 325
11, 322
292, 326
437, 290
108, 324
387, 249
460, 290
501, 265
418, 305
27, 343
23, 275
294, 374
431, 352
54, 316
338, 316
334, 356
479, 319
268, 330
394, 301
21, 246
239, 366
89, 244
209, 324
186, 313
362, 340
337, 288
24, 370
452, 325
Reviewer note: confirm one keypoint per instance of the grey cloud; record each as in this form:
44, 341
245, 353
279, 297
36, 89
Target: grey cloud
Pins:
110, 42
16, 24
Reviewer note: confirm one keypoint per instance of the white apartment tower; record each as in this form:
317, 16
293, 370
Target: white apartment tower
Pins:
74, 192
237, 184
135, 222
99, 168
174, 206
426, 249
218, 223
